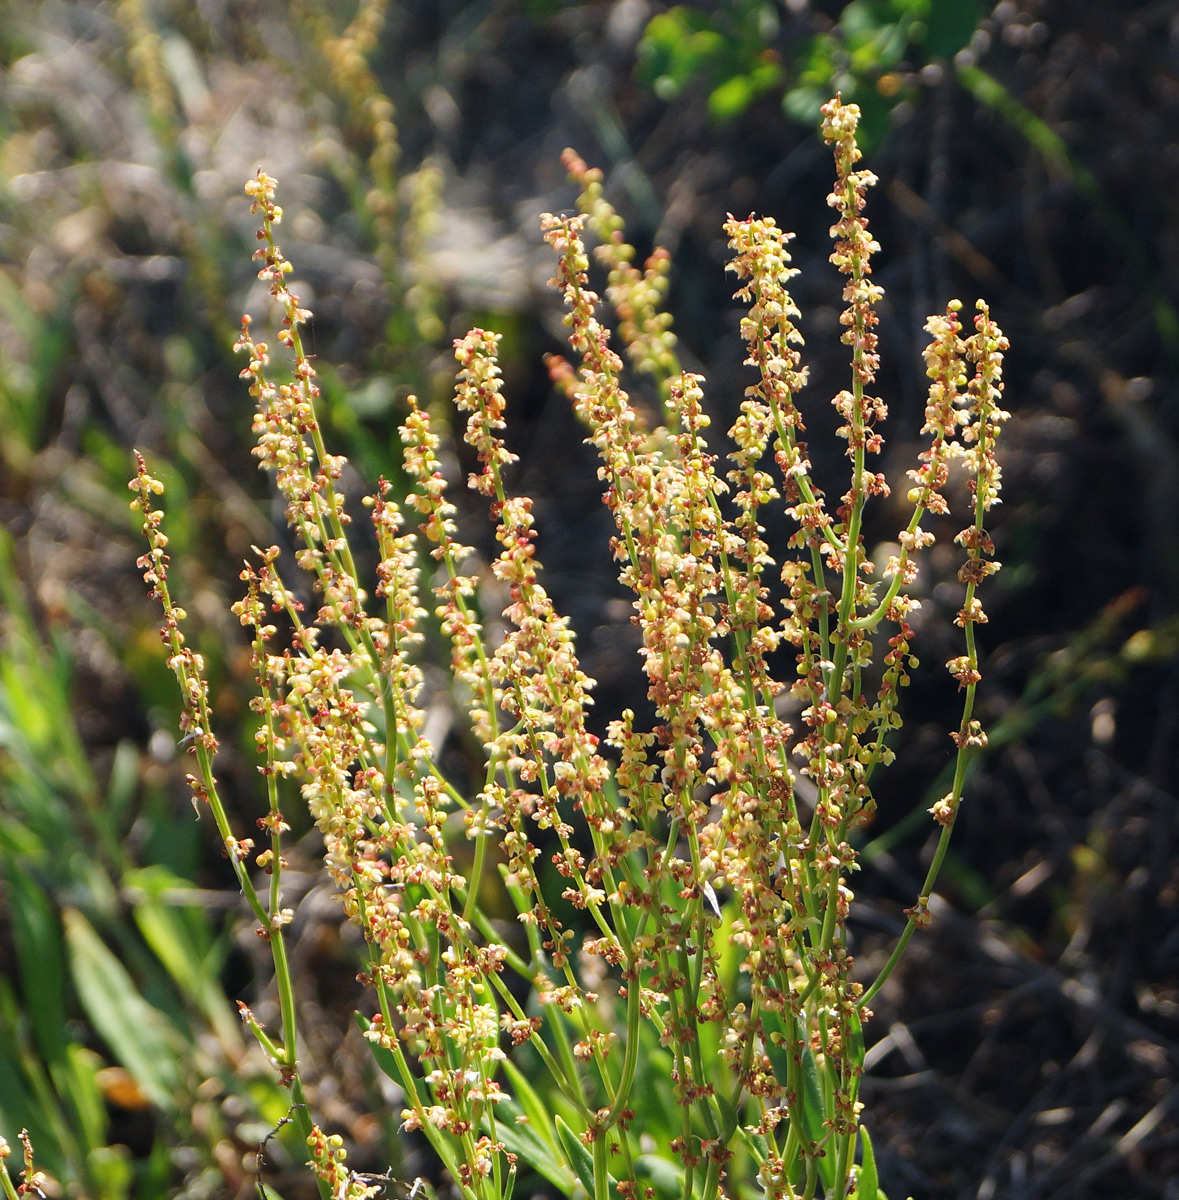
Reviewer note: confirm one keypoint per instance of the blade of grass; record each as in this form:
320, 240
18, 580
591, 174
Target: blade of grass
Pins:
40, 961
136, 1033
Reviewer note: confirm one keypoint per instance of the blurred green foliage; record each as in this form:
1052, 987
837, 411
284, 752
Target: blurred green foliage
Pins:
115, 1031
745, 49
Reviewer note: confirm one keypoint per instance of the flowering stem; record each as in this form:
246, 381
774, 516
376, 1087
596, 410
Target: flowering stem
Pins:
189, 667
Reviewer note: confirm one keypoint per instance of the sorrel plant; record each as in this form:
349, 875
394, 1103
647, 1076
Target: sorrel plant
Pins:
677, 1013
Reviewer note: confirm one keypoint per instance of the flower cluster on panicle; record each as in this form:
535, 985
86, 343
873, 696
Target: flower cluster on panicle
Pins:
946, 371
854, 247
328, 1160
636, 296
186, 663
33, 1181
985, 350
983, 420
548, 757
454, 591
347, 57
289, 441
687, 902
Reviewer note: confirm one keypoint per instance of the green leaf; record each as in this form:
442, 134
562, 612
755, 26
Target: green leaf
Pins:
111, 1171
866, 1183
137, 1034
27, 1096
729, 1114
653, 1091
776, 1045
676, 46
855, 1053
812, 1097
802, 104
856, 1048
40, 960
731, 98
179, 945
382, 1055
949, 27
124, 779
79, 1081
665, 1179
524, 1141
814, 1112
530, 1102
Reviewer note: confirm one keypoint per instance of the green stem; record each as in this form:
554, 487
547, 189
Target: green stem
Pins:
602, 1166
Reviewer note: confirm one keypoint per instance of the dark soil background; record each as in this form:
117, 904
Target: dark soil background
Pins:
1027, 1048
